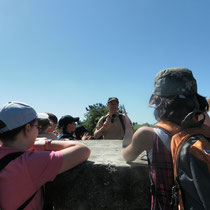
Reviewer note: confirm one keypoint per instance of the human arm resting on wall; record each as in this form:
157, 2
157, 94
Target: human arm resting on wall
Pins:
73, 152
101, 127
143, 139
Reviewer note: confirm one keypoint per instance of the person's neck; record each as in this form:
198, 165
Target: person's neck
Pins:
113, 113
68, 133
18, 143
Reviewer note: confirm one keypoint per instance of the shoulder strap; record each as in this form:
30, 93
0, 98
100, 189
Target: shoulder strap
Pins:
164, 130
169, 127
26, 202
122, 122
4, 162
104, 118
120, 118
6, 159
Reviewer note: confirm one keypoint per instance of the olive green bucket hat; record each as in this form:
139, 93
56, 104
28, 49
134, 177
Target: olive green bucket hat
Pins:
175, 81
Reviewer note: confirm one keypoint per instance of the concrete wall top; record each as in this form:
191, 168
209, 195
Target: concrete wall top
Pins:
110, 152
104, 182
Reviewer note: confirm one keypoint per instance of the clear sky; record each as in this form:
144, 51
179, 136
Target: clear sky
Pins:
60, 56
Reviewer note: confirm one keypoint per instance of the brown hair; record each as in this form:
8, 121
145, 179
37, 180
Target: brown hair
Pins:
52, 118
11, 135
176, 108
43, 124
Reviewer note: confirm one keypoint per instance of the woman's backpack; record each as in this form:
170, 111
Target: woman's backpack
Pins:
190, 150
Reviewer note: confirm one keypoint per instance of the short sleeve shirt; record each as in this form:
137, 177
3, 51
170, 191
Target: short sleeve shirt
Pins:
25, 175
115, 130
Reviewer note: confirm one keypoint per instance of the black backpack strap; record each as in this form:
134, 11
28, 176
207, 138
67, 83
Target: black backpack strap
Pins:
152, 185
4, 162
26, 202
121, 120
6, 159
104, 118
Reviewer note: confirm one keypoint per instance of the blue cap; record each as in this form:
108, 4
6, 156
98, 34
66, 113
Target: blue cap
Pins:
14, 115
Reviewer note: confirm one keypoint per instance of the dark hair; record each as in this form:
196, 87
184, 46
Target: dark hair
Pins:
43, 124
11, 135
52, 118
176, 108
80, 131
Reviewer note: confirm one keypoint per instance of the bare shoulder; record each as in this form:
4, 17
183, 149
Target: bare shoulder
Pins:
144, 132
143, 139
144, 136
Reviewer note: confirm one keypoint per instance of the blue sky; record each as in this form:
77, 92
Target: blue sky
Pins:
60, 56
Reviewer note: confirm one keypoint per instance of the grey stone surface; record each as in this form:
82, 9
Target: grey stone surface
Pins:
110, 152
105, 181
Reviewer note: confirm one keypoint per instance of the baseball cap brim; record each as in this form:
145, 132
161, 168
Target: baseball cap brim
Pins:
42, 115
113, 99
66, 120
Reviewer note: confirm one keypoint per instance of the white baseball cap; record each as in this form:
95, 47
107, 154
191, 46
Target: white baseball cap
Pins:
15, 114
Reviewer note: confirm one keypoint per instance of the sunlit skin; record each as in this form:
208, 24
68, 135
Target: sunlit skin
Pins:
51, 128
73, 152
113, 109
25, 139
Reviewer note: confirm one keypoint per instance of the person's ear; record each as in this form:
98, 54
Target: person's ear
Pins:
27, 128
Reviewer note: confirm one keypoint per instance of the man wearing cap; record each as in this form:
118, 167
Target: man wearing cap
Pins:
67, 126
111, 126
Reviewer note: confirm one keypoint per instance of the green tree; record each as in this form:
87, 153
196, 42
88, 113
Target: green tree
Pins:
94, 113
122, 109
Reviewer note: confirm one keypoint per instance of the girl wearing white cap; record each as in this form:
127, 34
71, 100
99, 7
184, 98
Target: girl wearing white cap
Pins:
26, 164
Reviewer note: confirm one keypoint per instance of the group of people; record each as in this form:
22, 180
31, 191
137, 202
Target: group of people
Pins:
49, 127
111, 126
42, 159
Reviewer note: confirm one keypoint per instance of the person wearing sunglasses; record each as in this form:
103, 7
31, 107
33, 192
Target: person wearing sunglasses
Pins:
112, 125
26, 164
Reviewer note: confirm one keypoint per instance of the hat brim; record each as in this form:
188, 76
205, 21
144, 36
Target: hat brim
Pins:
42, 115
76, 119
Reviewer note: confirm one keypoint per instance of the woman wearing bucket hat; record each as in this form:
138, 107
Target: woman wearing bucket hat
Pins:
26, 164
178, 104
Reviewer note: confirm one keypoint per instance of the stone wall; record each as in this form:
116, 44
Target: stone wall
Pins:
105, 181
